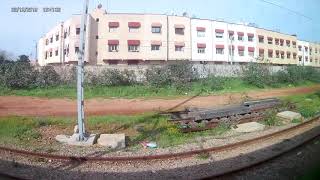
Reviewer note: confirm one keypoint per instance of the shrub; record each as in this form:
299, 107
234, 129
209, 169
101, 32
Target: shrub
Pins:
178, 74
47, 77
257, 74
20, 75
114, 77
158, 76
212, 83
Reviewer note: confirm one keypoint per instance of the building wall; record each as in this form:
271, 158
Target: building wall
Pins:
98, 36
122, 34
303, 53
227, 42
204, 27
314, 54
266, 47
178, 39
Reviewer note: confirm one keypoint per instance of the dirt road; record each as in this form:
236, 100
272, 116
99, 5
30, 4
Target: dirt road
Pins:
32, 106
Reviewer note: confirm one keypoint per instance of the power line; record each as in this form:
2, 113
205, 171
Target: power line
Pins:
290, 10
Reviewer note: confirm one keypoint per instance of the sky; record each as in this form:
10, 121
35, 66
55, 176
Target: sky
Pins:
20, 32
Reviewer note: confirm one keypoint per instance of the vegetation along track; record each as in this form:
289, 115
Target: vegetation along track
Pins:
165, 156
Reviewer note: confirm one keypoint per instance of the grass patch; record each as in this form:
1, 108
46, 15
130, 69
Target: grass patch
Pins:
308, 104
216, 85
25, 130
297, 121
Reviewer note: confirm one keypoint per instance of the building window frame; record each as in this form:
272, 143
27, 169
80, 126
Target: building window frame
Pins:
201, 50
155, 47
133, 48
179, 31
113, 48
156, 30
220, 51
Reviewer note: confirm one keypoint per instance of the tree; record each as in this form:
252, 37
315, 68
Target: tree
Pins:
23, 58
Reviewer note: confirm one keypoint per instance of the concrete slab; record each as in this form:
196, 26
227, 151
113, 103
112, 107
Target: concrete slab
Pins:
288, 116
113, 141
73, 140
249, 127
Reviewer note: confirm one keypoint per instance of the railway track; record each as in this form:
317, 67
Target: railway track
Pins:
160, 156
306, 126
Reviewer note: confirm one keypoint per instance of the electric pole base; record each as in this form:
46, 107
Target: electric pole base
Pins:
90, 139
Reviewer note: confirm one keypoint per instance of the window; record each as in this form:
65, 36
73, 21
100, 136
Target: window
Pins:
133, 48
201, 50
113, 29
294, 44
47, 41
219, 51
277, 41
113, 48
241, 52
240, 38
282, 55
133, 29
77, 31
294, 56
65, 34
56, 53
306, 58
261, 39
97, 37
311, 59
306, 49
251, 53
179, 48
97, 20
288, 55
288, 43
270, 54
57, 37
261, 53
156, 29
67, 50
179, 31
300, 58
277, 54
250, 37
231, 37
281, 42
45, 55
76, 49
300, 48
155, 47
201, 33
219, 35
270, 40
51, 39
64, 52
50, 53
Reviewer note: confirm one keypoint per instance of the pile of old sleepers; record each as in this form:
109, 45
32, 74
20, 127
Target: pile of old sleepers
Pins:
198, 119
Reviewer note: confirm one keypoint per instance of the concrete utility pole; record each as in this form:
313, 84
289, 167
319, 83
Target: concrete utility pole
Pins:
80, 73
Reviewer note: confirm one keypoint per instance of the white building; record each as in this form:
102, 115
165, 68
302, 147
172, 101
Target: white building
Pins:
202, 40
303, 53
223, 42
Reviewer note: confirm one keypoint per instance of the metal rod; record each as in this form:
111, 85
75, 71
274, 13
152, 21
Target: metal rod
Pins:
80, 73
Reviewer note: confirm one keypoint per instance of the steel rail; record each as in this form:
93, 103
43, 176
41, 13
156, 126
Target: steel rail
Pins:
159, 156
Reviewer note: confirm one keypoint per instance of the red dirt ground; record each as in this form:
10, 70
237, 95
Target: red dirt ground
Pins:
32, 106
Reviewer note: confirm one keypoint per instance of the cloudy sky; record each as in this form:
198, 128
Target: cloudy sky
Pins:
20, 31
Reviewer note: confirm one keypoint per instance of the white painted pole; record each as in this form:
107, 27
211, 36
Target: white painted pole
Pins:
80, 73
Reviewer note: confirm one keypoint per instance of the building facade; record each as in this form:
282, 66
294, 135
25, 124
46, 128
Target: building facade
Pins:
142, 39
276, 48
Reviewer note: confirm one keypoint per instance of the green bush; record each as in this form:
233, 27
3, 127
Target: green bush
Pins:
178, 74
257, 74
20, 75
47, 77
115, 77
158, 77
212, 83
